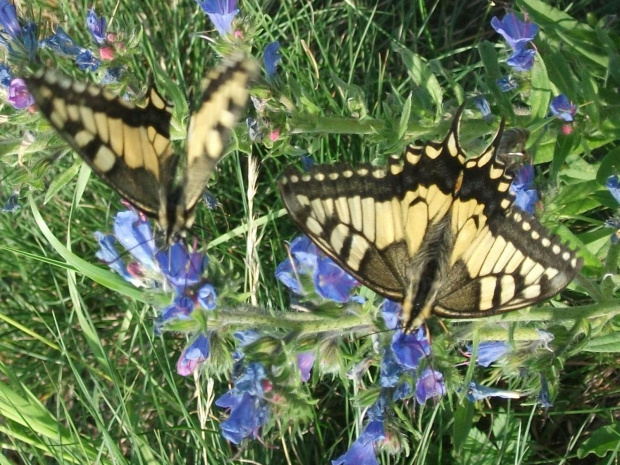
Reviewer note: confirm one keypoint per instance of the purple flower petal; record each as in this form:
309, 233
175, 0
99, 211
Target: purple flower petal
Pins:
136, 236
563, 108
5, 75
221, 13
61, 43
272, 58
305, 361
96, 26
207, 297
332, 282
521, 59
8, 19
182, 269
390, 311
87, 61
613, 185
409, 349
522, 189
180, 309
516, 32
483, 105
507, 83
196, 353
429, 385
18, 94
489, 352
362, 451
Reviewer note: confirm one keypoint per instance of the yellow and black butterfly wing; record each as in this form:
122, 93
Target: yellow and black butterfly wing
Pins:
126, 145
506, 262
223, 100
372, 221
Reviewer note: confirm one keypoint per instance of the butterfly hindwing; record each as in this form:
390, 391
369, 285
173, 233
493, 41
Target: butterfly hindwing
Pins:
511, 262
434, 230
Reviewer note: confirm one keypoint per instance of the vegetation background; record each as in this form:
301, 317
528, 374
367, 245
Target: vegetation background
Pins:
83, 379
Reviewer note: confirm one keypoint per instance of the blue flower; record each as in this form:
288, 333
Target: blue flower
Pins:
613, 185
489, 351
134, 233
8, 19
516, 32
521, 60
110, 256
87, 61
221, 13
248, 408
61, 43
362, 451
5, 75
18, 94
181, 269
12, 204
211, 202
483, 105
272, 58
332, 282
506, 84
410, 349
522, 188
328, 279
196, 353
112, 75
207, 297
29, 39
305, 361
430, 384
477, 392
96, 26
544, 398
563, 108
180, 309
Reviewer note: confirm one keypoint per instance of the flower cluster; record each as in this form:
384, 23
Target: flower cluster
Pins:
175, 269
518, 34
310, 274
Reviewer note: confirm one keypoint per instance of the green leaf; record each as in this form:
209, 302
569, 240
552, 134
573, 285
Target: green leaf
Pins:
422, 76
61, 181
609, 343
463, 421
404, 118
541, 91
601, 442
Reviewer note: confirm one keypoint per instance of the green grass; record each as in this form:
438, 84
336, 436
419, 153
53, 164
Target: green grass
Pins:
84, 380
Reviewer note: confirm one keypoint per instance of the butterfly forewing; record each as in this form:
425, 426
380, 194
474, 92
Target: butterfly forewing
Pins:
124, 144
223, 100
433, 230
